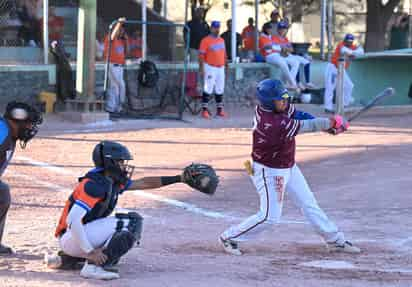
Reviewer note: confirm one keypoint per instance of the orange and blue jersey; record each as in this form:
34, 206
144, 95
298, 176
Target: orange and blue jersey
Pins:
96, 194
212, 51
248, 36
336, 54
281, 41
266, 45
117, 51
135, 47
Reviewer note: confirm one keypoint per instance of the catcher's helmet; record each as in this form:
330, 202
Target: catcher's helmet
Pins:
270, 90
283, 25
113, 157
27, 119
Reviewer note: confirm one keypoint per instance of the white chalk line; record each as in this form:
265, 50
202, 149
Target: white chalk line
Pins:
46, 184
345, 265
46, 166
58, 188
173, 202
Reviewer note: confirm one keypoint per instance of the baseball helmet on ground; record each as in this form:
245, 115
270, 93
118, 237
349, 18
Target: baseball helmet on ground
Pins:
305, 98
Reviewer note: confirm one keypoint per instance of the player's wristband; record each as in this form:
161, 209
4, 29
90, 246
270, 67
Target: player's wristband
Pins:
166, 180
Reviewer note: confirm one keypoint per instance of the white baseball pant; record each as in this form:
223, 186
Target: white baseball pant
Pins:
282, 63
98, 232
294, 61
214, 80
271, 185
116, 94
331, 74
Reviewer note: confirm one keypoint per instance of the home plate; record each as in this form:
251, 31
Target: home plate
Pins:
329, 264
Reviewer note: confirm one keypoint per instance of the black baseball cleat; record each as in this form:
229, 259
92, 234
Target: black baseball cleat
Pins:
230, 246
345, 247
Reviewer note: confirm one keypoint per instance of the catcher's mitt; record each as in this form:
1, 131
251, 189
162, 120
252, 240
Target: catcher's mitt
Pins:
201, 177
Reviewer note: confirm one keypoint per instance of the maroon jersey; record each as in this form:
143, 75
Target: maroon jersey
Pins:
274, 137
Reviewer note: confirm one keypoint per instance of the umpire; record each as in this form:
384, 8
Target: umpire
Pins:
19, 123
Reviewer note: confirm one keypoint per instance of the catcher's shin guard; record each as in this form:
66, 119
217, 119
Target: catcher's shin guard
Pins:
123, 239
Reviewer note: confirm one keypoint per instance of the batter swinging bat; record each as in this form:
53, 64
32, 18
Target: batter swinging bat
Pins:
388, 92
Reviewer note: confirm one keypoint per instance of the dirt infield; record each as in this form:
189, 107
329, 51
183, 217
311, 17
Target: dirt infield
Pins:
362, 179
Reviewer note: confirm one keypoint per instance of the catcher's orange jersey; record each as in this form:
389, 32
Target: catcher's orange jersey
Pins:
80, 196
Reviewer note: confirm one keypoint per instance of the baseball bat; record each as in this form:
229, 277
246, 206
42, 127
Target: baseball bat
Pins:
248, 166
388, 92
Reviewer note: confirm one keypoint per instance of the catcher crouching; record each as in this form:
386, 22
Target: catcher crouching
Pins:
93, 240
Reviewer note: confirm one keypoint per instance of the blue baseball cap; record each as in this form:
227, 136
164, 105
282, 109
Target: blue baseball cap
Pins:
215, 24
349, 38
283, 25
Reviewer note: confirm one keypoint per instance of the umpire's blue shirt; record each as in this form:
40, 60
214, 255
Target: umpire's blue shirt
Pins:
7, 145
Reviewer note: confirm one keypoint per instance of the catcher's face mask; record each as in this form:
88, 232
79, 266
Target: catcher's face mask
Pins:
125, 170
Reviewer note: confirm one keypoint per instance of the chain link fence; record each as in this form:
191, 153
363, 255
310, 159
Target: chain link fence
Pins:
149, 93
21, 28
10, 24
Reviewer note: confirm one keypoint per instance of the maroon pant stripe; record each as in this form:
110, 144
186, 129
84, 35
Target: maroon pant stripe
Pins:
267, 210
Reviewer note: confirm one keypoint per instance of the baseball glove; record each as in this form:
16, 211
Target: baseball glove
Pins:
201, 177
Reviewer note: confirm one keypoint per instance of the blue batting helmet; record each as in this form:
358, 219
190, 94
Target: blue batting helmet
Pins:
270, 90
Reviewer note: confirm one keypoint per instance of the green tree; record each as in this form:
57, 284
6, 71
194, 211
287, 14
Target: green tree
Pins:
377, 21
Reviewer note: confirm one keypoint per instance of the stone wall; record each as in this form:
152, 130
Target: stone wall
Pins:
25, 83
22, 86
239, 85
